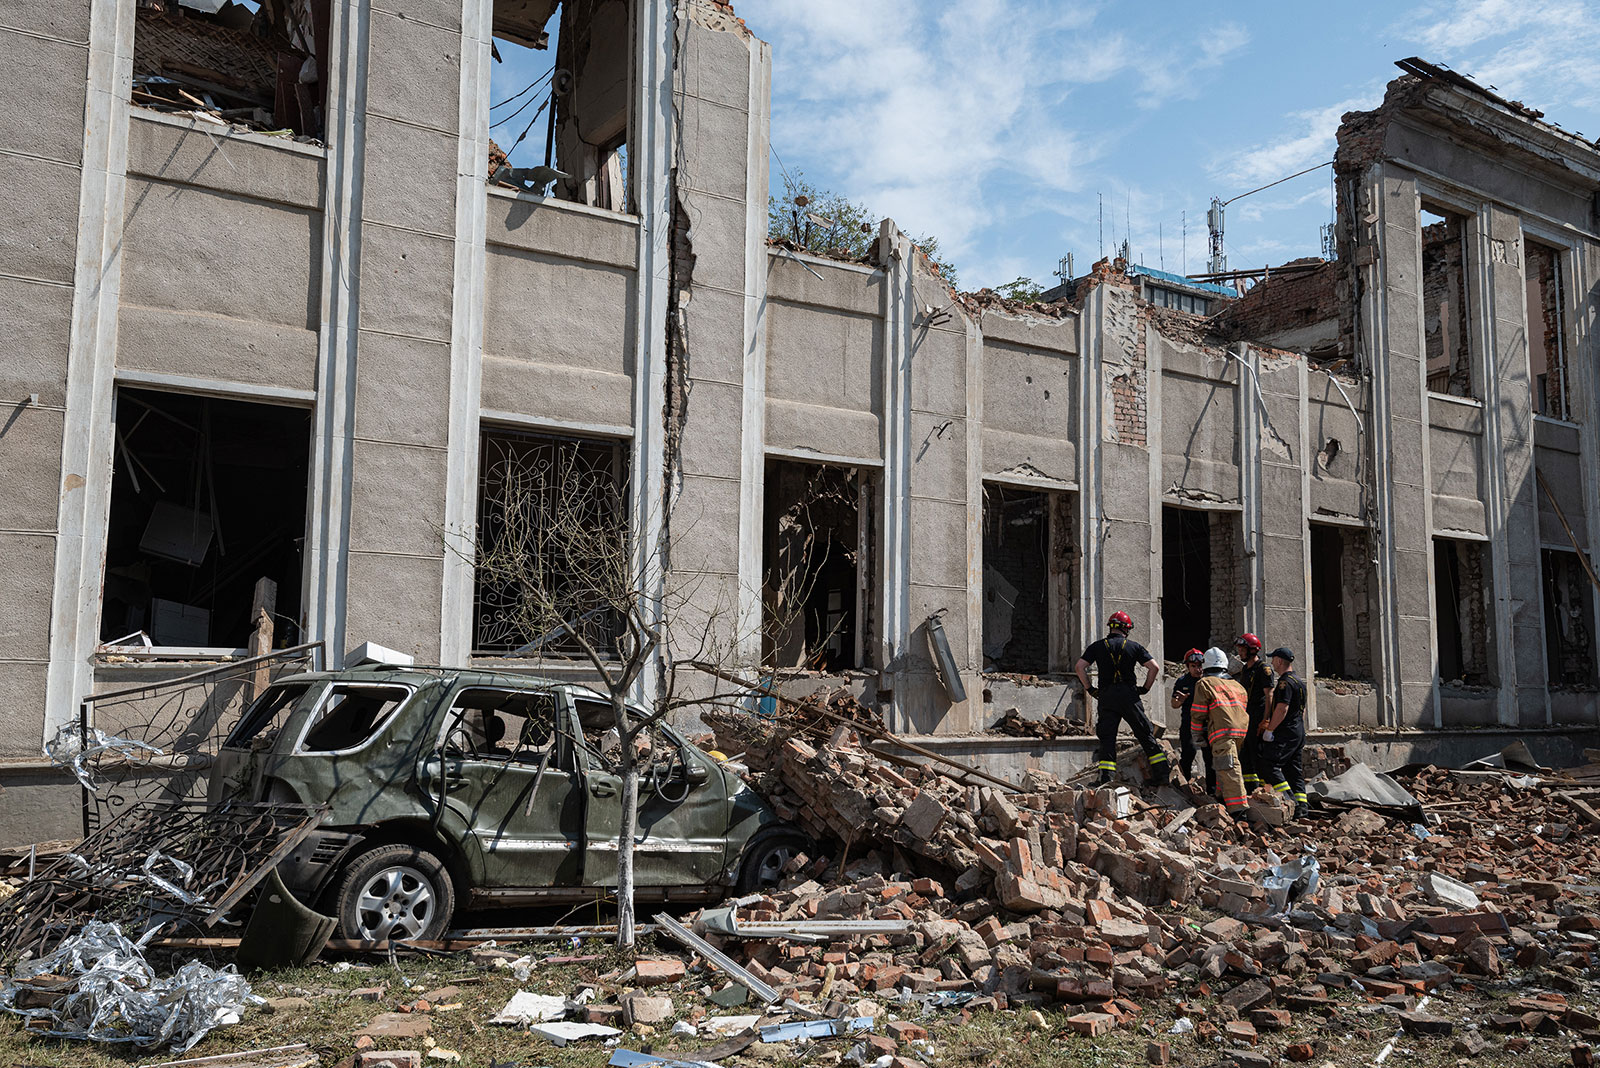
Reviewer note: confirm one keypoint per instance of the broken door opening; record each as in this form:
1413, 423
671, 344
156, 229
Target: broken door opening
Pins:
1202, 593
1547, 364
564, 120
255, 64
1341, 574
1462, 606
208, 497
814, 566
553, 553
1568, 622
1027, 579
1446, 331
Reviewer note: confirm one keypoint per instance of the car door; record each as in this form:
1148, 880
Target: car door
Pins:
681, 837
504, 769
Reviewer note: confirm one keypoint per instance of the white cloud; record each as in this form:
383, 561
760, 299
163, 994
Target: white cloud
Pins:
1309, 141
1541, 51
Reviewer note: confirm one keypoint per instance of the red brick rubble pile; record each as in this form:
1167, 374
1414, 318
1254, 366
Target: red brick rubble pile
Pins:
1106, 899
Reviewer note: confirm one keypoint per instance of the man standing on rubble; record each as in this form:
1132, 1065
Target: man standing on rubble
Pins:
1221, 722
1283, 733
1116, 656
1183, 701
1256, 679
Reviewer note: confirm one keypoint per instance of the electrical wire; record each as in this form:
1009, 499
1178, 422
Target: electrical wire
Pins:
524, 91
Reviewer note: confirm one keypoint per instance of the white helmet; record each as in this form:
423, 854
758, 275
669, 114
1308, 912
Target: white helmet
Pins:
1215, 658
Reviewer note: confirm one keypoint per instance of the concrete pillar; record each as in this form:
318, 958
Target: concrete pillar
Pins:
1284, 460
65, 343
721, 99
1513, 505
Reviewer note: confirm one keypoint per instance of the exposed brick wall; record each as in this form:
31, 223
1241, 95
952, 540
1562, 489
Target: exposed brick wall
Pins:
1283, 302
1544, 328
1129, 410
1227, 578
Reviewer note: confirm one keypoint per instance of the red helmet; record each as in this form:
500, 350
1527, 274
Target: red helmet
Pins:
1125, 621
1195, 656
1250, 642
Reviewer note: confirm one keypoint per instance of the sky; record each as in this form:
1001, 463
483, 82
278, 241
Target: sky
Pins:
1019, 131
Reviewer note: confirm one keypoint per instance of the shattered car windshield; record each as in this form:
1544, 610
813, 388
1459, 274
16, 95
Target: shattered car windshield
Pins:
265, 716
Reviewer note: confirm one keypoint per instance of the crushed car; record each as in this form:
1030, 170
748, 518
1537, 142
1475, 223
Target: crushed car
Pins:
449, 788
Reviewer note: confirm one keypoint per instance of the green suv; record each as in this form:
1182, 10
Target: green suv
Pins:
478, 789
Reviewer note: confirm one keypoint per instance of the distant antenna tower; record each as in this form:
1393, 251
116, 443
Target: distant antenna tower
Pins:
1330, 249
1063, 269
1214, 219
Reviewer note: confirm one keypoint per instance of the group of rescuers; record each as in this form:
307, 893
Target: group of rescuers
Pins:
1249, 728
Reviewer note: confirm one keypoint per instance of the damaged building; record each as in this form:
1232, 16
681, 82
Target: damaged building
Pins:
281, 314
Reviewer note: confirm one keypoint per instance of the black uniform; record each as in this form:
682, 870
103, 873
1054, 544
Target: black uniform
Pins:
1184, 688
1116, 657
1257, 682
1280, 758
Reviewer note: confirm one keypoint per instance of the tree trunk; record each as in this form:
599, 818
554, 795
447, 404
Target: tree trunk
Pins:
625, 830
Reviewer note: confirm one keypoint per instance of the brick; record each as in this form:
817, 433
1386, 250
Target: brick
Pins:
1247, 996
1158, 1052
397, 1025
1225, 929
906, 1031
646, 1009
1092, 1024
652, 971
1240, 1031
389, 1058
1422, 1023
1299, 1051
1270, 1019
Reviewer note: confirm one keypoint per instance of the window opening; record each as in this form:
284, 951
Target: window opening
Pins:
208, 498
553, 546
261, 722
350, 715
561, 100
1446, 330
253, 64
598, 722
1202, 591
1547, 363
1568, 622
1017, 580
813, 574
1462, 600
1340, 613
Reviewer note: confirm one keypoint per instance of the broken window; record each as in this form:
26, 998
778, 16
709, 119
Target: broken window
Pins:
1462, 606
266, 715
515, 725
208, 503
564, 121
553, 564
1201, 579
1547, 362
813, 566
254, 64
1027, 576
1341, 616
350, 714
1568, 622
1446, 331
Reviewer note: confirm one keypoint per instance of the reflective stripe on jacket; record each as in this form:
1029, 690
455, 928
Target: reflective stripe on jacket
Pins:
1220, 708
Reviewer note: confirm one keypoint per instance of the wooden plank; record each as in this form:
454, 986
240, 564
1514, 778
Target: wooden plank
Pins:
1583, 807
262, 608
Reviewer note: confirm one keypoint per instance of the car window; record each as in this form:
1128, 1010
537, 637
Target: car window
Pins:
598, 722
260, 723
351, 714
515, 725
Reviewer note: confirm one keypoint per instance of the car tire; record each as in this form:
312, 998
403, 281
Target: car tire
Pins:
395, 892
765, 858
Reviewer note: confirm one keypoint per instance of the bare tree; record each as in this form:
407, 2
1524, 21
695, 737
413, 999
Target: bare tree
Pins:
559, 577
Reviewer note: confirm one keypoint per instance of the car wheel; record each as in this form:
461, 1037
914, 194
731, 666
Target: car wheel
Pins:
766, 858
395, 892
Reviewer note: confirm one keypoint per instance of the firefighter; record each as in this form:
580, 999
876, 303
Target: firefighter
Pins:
1283, 733
1256, 678
1116, 657
1220, 720
1183, 700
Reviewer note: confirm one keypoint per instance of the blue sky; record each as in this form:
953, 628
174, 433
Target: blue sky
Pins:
1000, 126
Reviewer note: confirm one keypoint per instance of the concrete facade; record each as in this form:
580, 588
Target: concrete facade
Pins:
410, 317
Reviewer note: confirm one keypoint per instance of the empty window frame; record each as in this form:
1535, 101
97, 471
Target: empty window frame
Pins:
816, 533
1547, 356
1202, 579
564, 119
208, 498
254, 64
553, 552
350, 714
1341, 615
1447, 334
1172, 298
1569, 638
510, 725
1463, 612
1027, 578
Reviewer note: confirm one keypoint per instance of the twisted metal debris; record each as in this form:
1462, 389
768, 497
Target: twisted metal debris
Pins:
112, 994
73, 747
